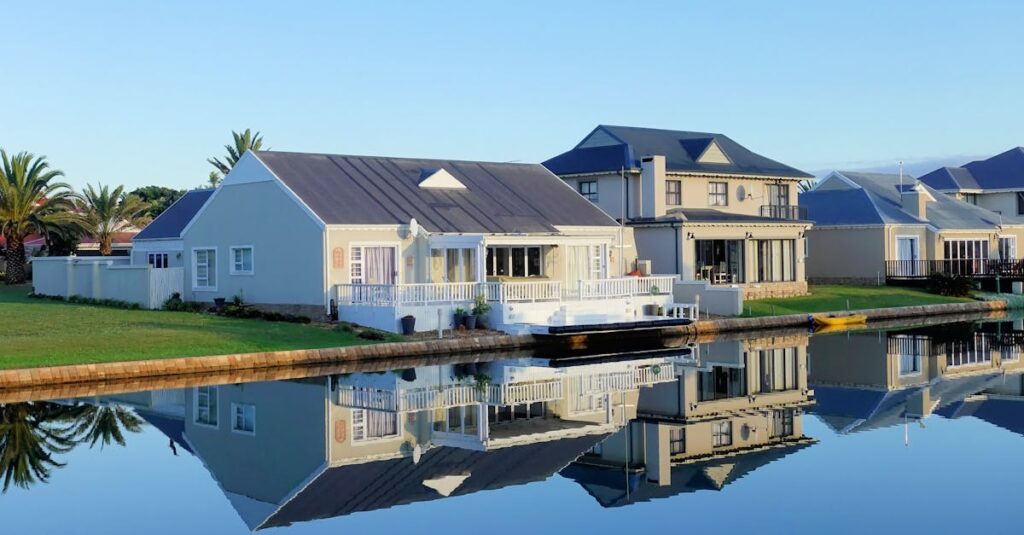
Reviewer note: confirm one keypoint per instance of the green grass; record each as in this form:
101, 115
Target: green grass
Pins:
827, 298
40, 332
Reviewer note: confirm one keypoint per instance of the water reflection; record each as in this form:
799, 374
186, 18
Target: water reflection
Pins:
621, 428
870, 380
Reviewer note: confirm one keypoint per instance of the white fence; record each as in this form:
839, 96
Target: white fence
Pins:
499, 292
105, 278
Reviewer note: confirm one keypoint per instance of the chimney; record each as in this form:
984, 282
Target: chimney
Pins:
915, 200
652, 186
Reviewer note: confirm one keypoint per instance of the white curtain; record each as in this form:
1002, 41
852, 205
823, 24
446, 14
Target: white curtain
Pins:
577, 261
379, 265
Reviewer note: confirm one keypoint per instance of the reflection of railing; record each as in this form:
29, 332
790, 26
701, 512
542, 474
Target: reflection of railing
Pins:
366, 398
419, 399
530, 392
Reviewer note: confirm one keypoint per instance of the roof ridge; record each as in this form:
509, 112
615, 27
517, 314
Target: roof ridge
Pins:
452, 160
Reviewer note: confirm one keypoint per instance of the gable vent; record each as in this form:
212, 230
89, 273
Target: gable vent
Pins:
439, 179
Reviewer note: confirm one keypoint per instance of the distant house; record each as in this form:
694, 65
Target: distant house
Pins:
995, 184
121, 244
870, 227
381, 238
701, 205
161, 244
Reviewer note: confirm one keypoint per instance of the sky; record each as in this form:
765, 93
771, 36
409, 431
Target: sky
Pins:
141, 93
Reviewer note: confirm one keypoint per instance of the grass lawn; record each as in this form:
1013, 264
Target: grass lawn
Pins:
826, 298
39, 332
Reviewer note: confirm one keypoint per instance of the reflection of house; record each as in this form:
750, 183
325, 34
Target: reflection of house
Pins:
740, 410
701, 205
869, 225
870, 380
299, 450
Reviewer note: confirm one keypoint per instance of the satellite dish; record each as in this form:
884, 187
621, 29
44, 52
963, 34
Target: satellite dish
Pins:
414, 227
741, 193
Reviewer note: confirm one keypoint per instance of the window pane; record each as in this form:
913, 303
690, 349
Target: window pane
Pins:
518, 262
501, 262
534, 261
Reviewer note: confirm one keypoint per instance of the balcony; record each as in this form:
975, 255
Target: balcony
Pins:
976, 269
789, 212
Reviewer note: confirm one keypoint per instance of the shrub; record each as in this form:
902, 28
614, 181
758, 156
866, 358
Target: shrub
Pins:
480, 305
372, 334
952, 285
175, 303
112, 303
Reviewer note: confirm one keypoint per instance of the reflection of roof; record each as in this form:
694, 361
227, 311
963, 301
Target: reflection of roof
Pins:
176, 217
609, 148
382, 484
611, 487
173, 428
1005, 413
850, 410
497, 197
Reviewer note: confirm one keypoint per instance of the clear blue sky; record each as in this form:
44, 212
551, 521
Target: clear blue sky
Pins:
142, 94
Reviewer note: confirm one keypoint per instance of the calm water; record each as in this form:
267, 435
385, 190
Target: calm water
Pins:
903, 430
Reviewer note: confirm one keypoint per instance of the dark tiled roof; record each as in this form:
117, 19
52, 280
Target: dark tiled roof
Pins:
498, 197
875, 198
176, 217
1002, 171
625, 145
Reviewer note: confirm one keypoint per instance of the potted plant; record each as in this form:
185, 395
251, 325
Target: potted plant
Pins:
408, 324
470, 321
218, 304
654, 289
460, 317
480, 308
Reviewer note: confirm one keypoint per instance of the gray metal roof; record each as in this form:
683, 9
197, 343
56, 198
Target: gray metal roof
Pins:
623, 146
172, 221
498, 197
874, 198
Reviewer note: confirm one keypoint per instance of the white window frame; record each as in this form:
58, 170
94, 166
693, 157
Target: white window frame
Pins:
492, 266
720, 431
165, 257
461, 265
352, 262
195, 270
1013, 245
234, 415
215, 391
232, 270
366, 439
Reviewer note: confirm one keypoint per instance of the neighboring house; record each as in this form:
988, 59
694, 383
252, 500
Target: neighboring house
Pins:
160, 244
906, 375
870, 227
701, 205
121, 244
33, 245
739, 410
995, 184
382, 238
300, 450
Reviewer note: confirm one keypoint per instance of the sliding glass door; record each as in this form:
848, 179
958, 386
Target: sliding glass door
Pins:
966, 257
719, 261
776, 260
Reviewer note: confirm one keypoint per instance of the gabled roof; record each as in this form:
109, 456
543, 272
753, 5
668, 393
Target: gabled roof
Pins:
854, 198
1002, 171
383, 484
609, 148
369, 190
172, 221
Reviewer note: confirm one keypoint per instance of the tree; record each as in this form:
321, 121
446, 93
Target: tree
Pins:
243, 142
103, 424
158, 198
214, 179
31, 201
107, 212
805, 185
30, 435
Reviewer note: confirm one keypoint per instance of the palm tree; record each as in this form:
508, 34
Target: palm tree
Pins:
30, 435
107, 212
245, 141
31, 200
805, 185
103, 424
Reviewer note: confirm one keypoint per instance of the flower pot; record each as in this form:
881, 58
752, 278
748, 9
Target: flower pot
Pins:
460, 319
408, 325
471, 321
409, 375
218, 304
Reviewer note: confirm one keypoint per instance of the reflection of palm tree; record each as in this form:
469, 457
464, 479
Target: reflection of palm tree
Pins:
30, 435
103, 424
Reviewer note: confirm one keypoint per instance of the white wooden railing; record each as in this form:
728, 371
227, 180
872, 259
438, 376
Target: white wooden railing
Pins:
531, 392
429, 398
500, 292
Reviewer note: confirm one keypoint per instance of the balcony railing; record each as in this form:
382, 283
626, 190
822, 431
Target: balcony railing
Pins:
500, 292
791, 212
922, 269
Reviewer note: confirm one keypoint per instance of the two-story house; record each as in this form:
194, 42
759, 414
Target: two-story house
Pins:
995, 184
701, 205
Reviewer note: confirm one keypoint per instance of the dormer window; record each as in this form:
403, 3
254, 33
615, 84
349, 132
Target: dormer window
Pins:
439, 179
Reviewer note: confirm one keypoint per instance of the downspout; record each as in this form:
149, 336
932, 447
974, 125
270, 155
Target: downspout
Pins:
678, 228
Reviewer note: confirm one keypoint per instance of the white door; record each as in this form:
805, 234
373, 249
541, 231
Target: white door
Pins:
907, 256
